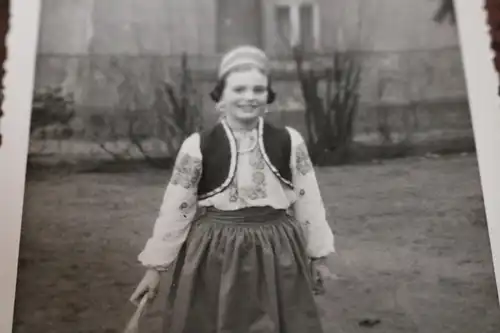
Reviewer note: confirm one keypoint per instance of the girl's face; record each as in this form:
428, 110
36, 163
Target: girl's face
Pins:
245, 94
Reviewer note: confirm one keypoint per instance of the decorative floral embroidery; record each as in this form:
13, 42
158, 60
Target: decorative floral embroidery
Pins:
184, 209
257, 160
172, 234
233, 191
187, 171
303, 163
258, 178
257, 190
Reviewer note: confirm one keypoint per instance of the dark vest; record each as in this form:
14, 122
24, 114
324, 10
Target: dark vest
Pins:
219, 156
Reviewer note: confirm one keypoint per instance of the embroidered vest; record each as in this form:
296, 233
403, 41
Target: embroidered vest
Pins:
220, 156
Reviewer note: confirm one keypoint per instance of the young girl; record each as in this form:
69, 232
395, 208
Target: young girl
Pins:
242, 218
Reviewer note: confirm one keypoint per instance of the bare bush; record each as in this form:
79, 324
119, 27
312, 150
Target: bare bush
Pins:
51, 109
329, 115
51, 115
176, 114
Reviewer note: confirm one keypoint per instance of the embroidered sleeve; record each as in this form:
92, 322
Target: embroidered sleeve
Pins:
309, 208
177, 209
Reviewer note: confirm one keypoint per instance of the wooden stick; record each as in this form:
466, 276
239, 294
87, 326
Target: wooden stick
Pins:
133, 324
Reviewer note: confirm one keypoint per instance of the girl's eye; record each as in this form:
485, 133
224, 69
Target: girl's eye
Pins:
239, 89
259, 89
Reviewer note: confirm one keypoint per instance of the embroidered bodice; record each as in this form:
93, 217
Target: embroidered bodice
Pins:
254, 184
219, 146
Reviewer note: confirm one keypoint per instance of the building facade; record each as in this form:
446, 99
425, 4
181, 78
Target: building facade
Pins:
92, 48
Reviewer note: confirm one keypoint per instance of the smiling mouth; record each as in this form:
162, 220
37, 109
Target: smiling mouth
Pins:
249, 107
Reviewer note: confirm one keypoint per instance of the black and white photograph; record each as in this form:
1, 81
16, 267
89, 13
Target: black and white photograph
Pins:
251, 166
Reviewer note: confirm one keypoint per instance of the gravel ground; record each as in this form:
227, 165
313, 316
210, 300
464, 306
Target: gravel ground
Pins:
411, 236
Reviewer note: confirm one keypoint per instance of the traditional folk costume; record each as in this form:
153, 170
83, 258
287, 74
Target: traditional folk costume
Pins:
240, 219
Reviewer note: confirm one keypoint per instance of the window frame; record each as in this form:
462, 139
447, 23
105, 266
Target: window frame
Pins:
295, 23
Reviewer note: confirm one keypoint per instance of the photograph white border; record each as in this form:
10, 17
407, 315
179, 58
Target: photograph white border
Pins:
482, 88
22, 40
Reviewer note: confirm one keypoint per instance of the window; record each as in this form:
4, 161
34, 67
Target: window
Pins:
238, 22
297, 24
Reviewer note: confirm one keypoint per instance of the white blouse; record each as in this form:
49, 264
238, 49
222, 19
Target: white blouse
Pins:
254, 184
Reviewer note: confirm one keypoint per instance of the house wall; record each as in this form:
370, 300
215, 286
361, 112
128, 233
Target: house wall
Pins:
80, 34
126, 27
105, 51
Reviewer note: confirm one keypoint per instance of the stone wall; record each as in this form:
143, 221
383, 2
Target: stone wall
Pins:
112, 54
105, 84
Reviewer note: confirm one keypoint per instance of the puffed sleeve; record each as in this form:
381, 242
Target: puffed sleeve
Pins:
177, 210
309, 208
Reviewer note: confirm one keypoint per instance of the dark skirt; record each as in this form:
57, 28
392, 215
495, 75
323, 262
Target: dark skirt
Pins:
242, 271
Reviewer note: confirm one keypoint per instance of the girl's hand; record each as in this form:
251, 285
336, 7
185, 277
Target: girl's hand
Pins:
321, 272
149, 284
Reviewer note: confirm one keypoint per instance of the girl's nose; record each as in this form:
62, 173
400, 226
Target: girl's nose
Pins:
249, 95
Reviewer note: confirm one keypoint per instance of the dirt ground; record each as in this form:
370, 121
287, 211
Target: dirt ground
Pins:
411, 236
